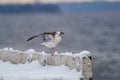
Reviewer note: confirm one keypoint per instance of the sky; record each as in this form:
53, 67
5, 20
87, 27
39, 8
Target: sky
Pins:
49, 1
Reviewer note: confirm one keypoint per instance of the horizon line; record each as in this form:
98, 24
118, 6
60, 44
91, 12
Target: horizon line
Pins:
42, 2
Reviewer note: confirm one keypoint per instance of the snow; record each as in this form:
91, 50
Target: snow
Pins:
10, 49
34, 70
30, 51
82, 54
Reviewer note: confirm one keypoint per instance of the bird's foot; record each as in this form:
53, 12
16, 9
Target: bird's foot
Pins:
52, 51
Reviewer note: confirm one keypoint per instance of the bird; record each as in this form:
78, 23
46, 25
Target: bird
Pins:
51, 39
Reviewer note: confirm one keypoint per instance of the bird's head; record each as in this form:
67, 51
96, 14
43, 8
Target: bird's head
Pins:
59, 33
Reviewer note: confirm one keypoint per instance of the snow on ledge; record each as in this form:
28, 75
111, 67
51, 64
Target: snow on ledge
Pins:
35, 69
82, 54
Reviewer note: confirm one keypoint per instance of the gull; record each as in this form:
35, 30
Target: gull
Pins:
51, 42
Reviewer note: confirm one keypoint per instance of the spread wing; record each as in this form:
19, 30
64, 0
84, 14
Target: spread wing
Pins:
33, 37
50, 34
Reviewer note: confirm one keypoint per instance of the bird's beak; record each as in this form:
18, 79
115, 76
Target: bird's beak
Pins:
62, 33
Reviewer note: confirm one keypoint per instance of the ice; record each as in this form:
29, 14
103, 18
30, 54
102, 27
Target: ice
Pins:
34, 70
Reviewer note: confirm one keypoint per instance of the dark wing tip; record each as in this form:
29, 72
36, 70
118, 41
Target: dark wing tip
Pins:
32, 37
28, 39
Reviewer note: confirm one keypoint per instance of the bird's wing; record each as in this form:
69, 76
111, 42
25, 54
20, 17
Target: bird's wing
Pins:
43, 34
51, 37
33, 37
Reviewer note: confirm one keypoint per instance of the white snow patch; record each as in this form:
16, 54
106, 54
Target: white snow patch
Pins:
7, 49
35, 71
87, 53
30, 51
83, 54
11, 49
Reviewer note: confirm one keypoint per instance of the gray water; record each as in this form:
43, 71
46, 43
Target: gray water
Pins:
95, 32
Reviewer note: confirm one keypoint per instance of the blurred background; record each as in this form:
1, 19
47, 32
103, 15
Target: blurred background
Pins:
92, 25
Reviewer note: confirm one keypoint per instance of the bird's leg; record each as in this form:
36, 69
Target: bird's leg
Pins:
52, 51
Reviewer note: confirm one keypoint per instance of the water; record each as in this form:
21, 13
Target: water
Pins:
96, 32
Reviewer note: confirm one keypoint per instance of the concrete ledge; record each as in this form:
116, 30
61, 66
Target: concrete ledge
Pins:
81, 61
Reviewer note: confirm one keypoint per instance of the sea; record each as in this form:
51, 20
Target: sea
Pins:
97, 32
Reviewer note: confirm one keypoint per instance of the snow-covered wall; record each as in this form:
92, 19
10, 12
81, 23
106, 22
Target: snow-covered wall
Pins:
79, 61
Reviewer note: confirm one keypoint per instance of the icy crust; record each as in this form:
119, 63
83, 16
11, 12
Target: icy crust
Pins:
35, 71
82, 54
